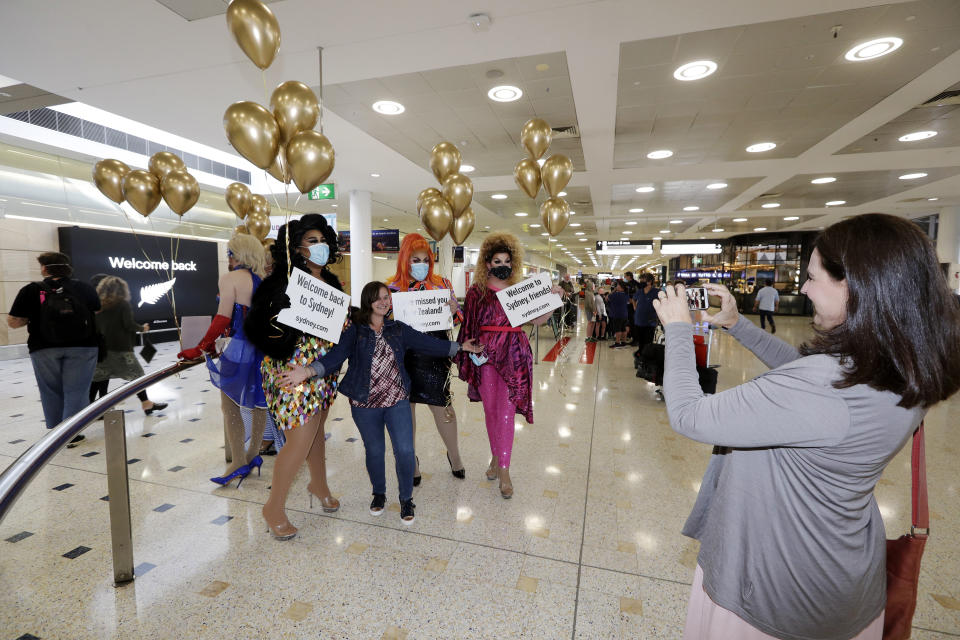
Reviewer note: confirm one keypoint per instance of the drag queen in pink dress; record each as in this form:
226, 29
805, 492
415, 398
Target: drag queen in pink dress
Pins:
504, 382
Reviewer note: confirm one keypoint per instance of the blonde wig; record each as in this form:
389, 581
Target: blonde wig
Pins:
248, 251
499, 242
112, 290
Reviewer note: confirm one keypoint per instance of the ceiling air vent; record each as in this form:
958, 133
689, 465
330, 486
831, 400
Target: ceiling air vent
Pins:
770, 195
563, 133
945, 99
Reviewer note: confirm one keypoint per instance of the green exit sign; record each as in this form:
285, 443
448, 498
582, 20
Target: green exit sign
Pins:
323, 192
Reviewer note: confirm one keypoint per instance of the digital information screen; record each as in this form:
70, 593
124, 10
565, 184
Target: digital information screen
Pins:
144, 261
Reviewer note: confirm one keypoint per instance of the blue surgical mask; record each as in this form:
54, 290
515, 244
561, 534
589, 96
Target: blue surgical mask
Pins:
319, 254
419, 270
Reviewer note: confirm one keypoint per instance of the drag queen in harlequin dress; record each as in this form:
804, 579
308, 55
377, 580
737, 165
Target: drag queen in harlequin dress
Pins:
300, 411
504, 383
429, 375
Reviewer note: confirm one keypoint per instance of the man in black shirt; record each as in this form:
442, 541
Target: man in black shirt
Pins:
59, 315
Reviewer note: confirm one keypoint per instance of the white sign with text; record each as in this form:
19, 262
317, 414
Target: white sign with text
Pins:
423, 310
315, 307
529, 299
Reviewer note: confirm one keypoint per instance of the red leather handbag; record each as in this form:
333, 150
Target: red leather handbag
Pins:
904, 553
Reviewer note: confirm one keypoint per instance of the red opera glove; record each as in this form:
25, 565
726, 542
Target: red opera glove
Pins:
217, 328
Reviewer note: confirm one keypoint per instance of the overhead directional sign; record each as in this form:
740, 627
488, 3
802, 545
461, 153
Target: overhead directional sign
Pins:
323, 192
624, 247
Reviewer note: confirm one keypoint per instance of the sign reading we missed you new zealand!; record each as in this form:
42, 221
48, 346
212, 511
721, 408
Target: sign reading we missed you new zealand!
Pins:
529, 299
423, 310
315, 307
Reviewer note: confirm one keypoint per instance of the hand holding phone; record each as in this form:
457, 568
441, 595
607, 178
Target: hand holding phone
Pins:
697, 299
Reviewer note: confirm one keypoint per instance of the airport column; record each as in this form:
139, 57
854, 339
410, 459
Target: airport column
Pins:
948, 244
445, 268
361, 243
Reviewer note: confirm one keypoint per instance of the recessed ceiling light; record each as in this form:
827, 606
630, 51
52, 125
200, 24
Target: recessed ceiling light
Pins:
374, 175
761, 146
579, 233
932, 199
676, 222
572, 212
770, 205
334, 206
657, 238
836, 203
467, 168
631, 223
739, 219
505, 93
553, 239
582, 239
873, 49
534, 226
717, 185
626, 233
575, 224
717, 230
635, 210
561, 194
825, 180
791, 218
691, 208
499, 196
385, 220
664, 231
695, 70
660, 154
917, 135
521, 214
388, 107
913, 176
759, 228
644, 189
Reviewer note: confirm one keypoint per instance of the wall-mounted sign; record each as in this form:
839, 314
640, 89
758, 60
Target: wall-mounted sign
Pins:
382, 240
322, 192
675, 248
458, 255
277, 221
624, 247
703, 275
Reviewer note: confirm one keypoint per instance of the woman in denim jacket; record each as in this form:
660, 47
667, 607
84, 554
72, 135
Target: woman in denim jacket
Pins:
379, 387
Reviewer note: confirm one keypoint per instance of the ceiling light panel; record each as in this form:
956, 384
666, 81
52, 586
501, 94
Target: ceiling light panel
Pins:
672, 196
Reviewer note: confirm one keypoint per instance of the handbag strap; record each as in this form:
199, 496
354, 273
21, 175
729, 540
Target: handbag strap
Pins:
918, 465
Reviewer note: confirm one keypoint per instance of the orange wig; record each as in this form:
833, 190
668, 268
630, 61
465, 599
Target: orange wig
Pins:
412, 243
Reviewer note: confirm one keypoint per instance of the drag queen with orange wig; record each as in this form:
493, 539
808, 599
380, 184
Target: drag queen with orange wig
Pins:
429, 375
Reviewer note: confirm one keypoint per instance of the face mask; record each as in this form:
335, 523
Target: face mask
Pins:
419, 270
319, 254
501, 272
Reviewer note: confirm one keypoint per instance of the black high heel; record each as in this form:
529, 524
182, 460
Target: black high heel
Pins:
157, 406
457, 473
417, 479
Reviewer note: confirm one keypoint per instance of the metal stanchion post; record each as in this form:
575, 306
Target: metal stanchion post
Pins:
118, 488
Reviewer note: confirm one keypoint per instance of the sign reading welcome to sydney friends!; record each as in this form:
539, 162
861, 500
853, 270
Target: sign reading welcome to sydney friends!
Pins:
423, 310
315, 307
529, 299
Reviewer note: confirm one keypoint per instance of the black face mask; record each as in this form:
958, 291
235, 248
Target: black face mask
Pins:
501, 272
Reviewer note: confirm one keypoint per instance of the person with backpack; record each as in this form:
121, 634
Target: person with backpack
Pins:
62, 336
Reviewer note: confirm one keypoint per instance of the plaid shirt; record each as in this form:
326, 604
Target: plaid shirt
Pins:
386, 387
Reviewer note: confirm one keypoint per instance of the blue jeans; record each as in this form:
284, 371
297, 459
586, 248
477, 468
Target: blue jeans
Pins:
63, 377
370, 423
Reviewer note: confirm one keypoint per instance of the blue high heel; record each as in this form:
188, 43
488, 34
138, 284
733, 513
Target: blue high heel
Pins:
241, 473
256, 462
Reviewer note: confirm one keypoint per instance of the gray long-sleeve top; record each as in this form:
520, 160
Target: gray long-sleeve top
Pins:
791, 538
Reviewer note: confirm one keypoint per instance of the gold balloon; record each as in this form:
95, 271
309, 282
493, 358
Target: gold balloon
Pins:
108, 175
311, 159
444, 160
255, 29
163, 162
280, 169
259, 206
142, 190
241, 229
556, 173
527, 176
238, 198
258, 225
429, 192
458, 191
180, 191
554, 214
461, 226
295, 108
252, 131
536, 136
435, 214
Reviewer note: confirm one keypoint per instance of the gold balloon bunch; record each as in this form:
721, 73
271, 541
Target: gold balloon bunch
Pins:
167, 178
251, 207
554, 175
280, 140
447, 210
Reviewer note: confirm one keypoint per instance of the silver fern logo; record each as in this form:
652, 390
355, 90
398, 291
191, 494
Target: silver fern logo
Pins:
151, 293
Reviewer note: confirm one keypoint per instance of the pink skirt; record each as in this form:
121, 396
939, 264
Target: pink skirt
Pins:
707, 620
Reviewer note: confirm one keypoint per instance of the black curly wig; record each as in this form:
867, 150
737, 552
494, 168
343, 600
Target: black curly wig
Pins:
298, 228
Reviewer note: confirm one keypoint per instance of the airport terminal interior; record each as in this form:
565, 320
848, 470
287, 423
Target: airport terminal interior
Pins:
693, 140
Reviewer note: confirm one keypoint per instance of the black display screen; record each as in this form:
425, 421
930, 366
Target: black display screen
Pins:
144, 261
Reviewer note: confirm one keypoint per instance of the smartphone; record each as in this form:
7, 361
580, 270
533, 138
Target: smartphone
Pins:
697, 299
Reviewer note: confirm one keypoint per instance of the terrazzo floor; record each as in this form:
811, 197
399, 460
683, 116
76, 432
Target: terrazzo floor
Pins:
589, 547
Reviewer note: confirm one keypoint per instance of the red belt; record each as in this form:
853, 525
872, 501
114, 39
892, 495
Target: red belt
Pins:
501, 329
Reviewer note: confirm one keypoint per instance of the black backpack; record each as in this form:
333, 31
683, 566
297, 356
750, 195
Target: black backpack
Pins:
65, 318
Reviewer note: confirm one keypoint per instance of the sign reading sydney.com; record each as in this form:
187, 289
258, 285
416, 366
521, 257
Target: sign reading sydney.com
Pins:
158, 270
